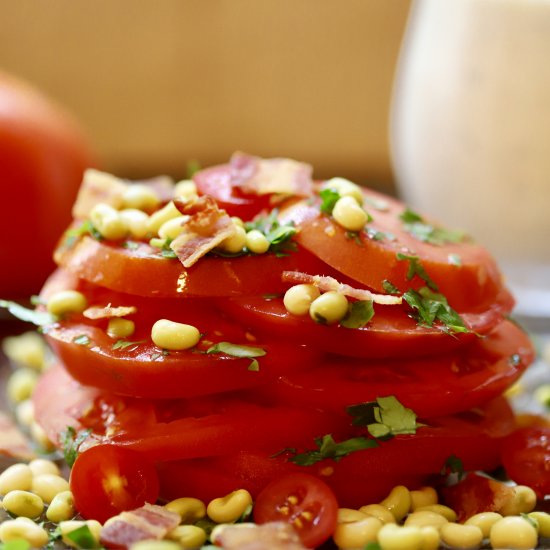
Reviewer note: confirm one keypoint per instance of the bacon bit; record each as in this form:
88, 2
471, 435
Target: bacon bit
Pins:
13, 443
274, 535
265, 176
148, 522
207, 227
329, 283
98, 187
105, 312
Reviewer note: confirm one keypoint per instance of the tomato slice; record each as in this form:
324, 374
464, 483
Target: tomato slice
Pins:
106, 480
219, 183
471, 286
430, 386
302, 500
137, 367
143, 271
392, 332
172, 429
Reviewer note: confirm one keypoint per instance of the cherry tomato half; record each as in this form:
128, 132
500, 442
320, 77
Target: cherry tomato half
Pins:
106, 480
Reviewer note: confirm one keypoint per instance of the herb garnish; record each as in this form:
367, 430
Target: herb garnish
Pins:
83, 537
454, 259
38, 318
384, 417
389, 287
82, 340
123, 344
329, 197
359, 314
236, 350
453, 465
416, 268
72, 235
70, 442
415, 224
279, 236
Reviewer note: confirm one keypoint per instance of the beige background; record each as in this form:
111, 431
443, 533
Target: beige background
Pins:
158, 83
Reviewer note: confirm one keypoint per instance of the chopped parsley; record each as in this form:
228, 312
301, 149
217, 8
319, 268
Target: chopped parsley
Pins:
415, 224
83, 537
70, 442
417, 269
82, 340
359, 314
123, 344
157, 355
389, 287
376, 235
453, 465
354, 236
279, 236
130, 245
236, 350
328, 448
38, 318
384, 417
71, 236
329, 197
454, 259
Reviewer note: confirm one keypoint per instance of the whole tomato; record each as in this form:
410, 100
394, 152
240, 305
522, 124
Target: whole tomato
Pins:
43, 154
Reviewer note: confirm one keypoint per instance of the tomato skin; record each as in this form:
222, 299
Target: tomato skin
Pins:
43, 155
526, 458
106, 480
313, 497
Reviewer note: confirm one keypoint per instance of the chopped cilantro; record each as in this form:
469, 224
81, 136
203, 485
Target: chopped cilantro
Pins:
130, 245
328, 448
254, 366
454, 259
376, 235
83, 537
123, 344
168, 254
414, 224
389, 287
70, 442
408, 216
359, 314
236, 350
279, 236
157, 355
431, 307
39, 318
82, 340
417, 269
453, 465
354, 236
71, 236
329, 197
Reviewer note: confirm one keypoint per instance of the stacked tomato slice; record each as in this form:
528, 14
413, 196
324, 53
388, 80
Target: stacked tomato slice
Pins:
213, 422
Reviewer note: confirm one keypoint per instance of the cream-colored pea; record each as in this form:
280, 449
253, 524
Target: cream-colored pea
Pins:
61, 508
158, 218
66, 527
235, 243
378, 511
298, 298
174, 336
426, 519
237, 221
329, 308
47, 486
26, 349
514, 533
542, 394
140, 197
398, 502
188, 536
119, 327
229, 508
136, 222
24, 413
425, 496
430, 538
40, 437
67, 301
108, 222
356, 534
172, 228
189, 509
349, 214
16, 477
345, 188
16, 529
21, 384
448, 513
154, 544
23, 503
186, 190
522, 501
543, 521
257, 242
484, 520
461, 536
395, 537
157, 242
349, 515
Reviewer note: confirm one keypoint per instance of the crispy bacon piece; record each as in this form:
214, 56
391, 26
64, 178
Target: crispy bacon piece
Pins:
275, 535
259, 176
148, 522
205, 229
13, 443
329, 283
98, 187
106, 312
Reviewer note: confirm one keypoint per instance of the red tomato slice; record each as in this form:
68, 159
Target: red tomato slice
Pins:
390, 333
144, 272
430, 386
142, 369
164, 430
472, 286
302, 500
526, 458
217, 182
106, 480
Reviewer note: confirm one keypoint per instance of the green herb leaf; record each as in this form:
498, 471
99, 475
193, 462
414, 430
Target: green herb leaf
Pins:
453, 465
328, 448
71, 236
82, 340
254, 366
329, 197
376, 235
38, 318
354, 236
359, 314
417, 269
454, 259
372, 546
83, 537
408, 216
291, 450
123, 344
389, 287
236, 350
168, 254
279, 236
414, 224
70, 441
193, 166
130, 245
